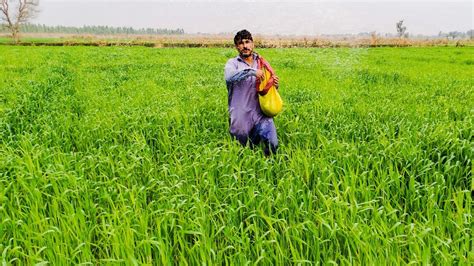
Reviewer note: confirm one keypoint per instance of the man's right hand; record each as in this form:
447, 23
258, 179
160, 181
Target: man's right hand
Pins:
259, 74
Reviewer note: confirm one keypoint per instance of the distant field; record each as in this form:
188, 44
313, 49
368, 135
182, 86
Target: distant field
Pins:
122, 154
225, 41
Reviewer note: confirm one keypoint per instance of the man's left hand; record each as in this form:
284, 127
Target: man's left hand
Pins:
276, 79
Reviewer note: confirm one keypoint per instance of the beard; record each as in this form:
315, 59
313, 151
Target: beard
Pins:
246, 55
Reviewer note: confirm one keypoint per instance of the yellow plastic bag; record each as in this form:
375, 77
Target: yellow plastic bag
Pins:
268, 96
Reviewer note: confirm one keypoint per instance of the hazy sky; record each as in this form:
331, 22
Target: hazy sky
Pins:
264, 16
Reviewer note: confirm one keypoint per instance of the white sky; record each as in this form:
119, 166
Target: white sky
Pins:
264, 16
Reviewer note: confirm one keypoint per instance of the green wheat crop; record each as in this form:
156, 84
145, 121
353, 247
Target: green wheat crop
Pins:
122, 155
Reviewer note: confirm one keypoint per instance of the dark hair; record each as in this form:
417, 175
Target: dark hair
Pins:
243, 34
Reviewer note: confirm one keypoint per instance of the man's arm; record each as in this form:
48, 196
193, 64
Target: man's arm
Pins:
232, 75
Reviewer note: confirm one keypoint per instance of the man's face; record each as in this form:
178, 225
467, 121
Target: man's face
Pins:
245, 47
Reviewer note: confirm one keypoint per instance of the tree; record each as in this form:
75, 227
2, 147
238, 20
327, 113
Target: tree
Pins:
401, 29
14, 13
455, 34
470, 34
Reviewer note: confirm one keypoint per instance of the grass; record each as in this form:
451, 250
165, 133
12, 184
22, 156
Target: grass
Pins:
9, 41
122, 155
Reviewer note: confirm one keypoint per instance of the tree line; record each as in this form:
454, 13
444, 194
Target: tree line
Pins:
457, 34
99, 30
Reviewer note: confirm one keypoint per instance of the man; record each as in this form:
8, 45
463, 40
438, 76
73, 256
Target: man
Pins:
247, 122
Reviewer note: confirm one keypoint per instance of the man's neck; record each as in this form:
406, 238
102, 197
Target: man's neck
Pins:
248, 60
